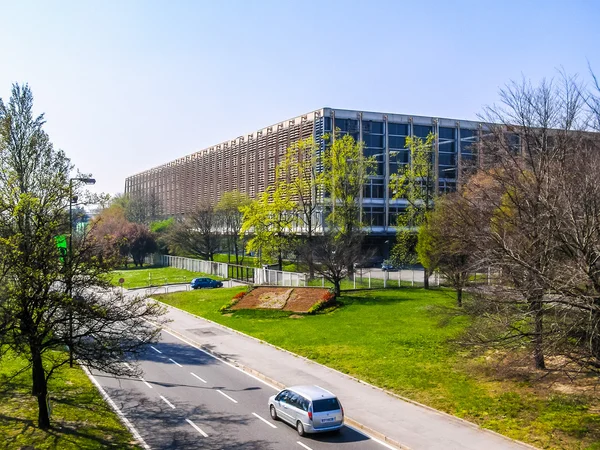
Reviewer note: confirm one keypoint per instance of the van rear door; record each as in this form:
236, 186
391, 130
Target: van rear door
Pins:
327, 412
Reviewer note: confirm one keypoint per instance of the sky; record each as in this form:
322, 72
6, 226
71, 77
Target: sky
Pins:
128, 85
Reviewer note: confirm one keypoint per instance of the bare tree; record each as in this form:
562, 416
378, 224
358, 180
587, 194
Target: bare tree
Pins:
198, 233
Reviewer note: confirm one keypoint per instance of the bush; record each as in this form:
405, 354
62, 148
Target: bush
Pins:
236, 298
327, 300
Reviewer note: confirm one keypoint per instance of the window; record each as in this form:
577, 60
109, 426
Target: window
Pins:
447, 159
400, 129
282, 396
373, 140
397, 141
327, 123
421, 131
446, 133
329, 404
372, 127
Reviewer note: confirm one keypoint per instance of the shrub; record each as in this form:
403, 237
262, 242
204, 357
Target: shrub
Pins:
236, 298
327, 300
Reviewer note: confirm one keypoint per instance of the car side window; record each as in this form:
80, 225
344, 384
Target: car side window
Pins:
282, 396
294, 400
304, 404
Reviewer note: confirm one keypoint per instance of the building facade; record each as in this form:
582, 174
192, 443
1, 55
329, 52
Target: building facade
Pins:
247, 163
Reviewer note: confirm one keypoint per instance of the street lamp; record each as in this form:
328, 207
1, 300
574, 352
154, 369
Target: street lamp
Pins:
84, 180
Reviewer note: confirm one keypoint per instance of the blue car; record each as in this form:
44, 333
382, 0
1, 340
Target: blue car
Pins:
199, 283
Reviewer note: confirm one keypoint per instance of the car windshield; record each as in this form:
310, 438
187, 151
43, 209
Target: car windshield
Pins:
329, 404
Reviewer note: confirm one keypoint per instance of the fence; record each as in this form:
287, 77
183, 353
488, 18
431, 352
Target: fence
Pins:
194, 265
361, 279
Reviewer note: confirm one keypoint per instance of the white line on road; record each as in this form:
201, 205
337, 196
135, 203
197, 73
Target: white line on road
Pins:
191, 344
110, 401
168, 402
175, 362
147, 384
370, 437
264, 420
196, 427
302, 445
225, 395
155, 349
193, 374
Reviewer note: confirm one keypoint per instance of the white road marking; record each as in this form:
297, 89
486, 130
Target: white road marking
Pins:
196, 427
175, 362
219, 359
124, 419
193, 374
302, 445
168, 402
370, 437
225, 395
147, 384
263, 382
264, 420
155, 349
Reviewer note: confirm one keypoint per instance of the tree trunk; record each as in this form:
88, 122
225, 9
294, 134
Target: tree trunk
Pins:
426, 277
337, 288
40, 387
459, 293
538, 338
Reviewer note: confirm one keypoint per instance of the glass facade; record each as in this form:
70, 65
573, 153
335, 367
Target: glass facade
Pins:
247, 163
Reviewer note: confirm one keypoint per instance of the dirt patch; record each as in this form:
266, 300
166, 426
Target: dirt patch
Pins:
299, 299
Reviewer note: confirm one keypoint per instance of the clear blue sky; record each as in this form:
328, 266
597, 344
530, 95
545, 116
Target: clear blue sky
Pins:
128, 85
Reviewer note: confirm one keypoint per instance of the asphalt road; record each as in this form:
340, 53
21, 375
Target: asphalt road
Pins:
188, 399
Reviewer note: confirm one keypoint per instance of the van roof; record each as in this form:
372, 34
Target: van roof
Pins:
312, 392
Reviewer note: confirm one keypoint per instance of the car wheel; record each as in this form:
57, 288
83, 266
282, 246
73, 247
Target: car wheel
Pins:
300, 428
273, 413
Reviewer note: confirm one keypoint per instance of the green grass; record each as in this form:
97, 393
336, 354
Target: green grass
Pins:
80, 418
401, 340
154, 276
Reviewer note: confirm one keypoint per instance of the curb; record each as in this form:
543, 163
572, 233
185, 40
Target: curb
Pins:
358, 425
347, 420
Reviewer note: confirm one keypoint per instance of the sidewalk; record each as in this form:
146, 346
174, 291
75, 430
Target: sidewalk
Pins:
386, 417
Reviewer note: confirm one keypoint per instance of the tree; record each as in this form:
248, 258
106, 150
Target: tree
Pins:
297, 179
441, 246
197, 233
108, 230
161, 229
415, 183
139, 208
517, 215
39, 318
141, 242
231, 218
269, 220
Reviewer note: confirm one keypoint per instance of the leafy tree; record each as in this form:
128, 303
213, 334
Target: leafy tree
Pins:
231, 217
268, 220
198, 233
39, 317
141, 242
161, 229
345, 171
109, 232
297, 179
440, 245
415, 183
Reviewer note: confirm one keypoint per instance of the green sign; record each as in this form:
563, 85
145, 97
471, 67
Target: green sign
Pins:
61, 243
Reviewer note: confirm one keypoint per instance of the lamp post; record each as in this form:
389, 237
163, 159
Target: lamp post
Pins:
83, 180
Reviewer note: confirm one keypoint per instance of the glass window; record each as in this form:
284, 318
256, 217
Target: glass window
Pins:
397, 141
327, 123
348, 125
446, 133
373, 140
372, 127
421, 131
447, 172
400, 129
448, 146
448, 159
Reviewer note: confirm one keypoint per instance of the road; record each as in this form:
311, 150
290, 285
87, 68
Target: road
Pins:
188, 399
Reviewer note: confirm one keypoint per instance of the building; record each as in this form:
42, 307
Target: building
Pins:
247, 163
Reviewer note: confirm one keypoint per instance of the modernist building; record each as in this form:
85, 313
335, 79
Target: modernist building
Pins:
247, 163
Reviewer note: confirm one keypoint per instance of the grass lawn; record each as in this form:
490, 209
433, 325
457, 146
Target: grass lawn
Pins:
80, 418
400, 340
155, 276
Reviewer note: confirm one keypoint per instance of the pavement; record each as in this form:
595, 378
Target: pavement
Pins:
384, 416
